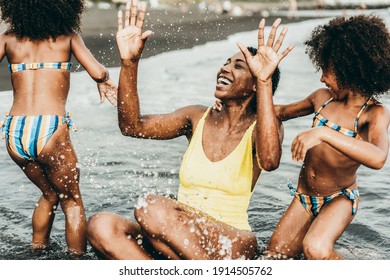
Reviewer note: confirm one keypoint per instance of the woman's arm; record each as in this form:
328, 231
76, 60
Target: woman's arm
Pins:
371, 153
268, 135
131, 42
132, 123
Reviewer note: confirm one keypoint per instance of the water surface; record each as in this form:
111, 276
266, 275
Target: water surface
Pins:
115, 169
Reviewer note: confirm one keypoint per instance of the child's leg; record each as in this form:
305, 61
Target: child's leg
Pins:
328, 226
60, 164
42, 220
43, 216
289, 233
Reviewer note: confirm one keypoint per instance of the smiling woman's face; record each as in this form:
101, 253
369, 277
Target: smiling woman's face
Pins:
234, 80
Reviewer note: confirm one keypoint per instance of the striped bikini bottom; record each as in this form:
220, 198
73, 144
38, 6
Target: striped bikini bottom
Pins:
26, 136
313, 204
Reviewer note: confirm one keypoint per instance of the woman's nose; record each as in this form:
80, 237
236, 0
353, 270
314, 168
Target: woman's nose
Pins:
225, 68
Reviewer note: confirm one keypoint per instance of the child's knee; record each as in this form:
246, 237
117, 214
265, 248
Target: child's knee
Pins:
69, 199
317, 249
51, 197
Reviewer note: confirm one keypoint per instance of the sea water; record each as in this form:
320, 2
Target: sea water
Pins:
115, 169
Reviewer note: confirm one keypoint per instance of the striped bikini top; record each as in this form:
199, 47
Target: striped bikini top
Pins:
320, 120
39, 65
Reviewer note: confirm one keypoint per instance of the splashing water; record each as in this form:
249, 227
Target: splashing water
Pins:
116, 171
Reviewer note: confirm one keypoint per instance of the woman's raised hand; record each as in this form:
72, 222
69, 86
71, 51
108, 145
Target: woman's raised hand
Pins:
129, 38
264, 63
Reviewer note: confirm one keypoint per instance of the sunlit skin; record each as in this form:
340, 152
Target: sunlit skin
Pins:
330, 162
45, 92
165, 228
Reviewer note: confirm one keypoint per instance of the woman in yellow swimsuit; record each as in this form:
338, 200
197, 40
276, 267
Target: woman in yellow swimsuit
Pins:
349, 129
38, 43
226, 154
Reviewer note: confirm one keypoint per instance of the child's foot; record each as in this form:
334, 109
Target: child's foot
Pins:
39, 245
75, 253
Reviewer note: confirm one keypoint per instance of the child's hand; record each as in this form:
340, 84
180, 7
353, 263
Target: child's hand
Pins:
130, 39
305, 141
218, 105
109, 90
264, 63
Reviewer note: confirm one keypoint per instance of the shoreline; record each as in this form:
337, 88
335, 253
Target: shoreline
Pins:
172, 30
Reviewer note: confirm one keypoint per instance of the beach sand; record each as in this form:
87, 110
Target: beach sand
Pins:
172, 29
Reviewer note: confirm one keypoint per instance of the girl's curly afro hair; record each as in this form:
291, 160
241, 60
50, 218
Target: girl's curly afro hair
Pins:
357, 50
42, 19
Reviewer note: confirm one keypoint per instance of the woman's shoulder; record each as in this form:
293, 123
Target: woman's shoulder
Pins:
194, 111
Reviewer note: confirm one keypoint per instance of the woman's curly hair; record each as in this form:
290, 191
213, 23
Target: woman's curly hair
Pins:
357, 50
42, 19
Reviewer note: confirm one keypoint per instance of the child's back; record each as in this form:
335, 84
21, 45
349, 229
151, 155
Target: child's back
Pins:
45, 91
39, 42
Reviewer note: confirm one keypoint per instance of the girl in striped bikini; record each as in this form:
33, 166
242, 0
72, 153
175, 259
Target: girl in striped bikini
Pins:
38, 43
349, 129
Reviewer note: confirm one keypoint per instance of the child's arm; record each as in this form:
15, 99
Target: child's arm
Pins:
99, 73
286, 112
297, 109
371, 153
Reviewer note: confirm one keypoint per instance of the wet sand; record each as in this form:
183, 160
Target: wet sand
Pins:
172, 29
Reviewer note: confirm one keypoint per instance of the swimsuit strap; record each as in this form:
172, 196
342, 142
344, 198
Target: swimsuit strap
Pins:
292, 189
334, 126
39, 65
66, 119
352, 195
323, 105
358, 115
